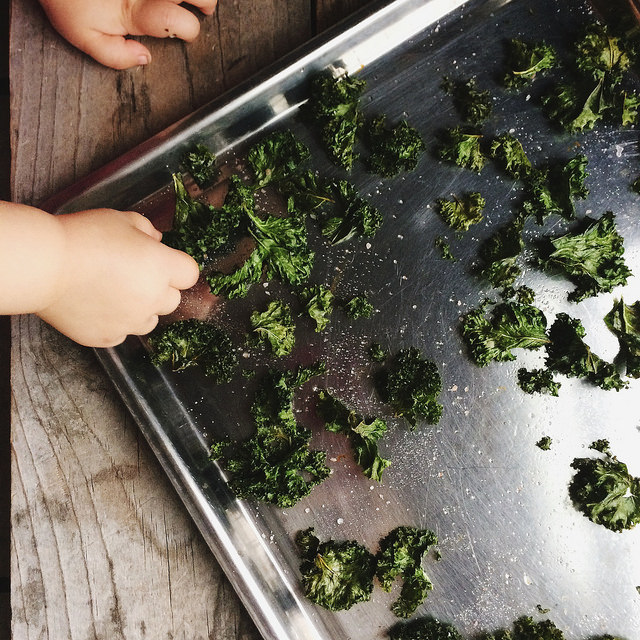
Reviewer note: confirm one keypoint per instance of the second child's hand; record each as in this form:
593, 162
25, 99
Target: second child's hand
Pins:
100, 27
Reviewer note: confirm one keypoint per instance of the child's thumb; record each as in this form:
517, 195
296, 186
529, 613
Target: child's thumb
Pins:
117, 52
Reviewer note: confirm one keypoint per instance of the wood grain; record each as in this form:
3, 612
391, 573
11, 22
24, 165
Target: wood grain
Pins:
101, 546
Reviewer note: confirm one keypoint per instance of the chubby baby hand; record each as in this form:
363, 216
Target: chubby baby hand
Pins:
100, 27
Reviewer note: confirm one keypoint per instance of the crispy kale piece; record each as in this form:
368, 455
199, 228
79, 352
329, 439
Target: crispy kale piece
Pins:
426, 628
568, 354
512, 325
463, 149
474, 105
554, 189
318, 303
499, 254
538, 381
544, 443
307, 194
601, 60
508, 152
527, 60
461, 213
591, 256
377, 352
334, 106
202, 230
200, 162
445, 248
335, 574
275, 326
401, 553
276, 464
363, 433
624, 322
276, 157
355, 216
410, 384
604, 491
526, 628
393, 149
187, 343
281, 252
359, 307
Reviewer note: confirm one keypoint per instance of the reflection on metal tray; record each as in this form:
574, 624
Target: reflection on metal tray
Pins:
509, 537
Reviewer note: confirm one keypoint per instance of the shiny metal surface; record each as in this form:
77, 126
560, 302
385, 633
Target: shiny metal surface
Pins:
509, 536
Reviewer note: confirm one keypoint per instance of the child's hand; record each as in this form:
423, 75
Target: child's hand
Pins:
116, 278
96, 276
100, 27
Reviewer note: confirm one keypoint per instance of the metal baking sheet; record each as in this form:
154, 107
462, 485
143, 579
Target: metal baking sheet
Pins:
511, 542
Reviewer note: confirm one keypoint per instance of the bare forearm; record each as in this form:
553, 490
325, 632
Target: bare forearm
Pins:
32, 246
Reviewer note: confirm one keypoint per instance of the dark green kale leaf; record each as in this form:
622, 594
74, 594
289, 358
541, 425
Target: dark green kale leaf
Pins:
276, 157
629, 108
401, 553
526, 628
602, 445
356, 216
359, 307
318, 303
201, 230
508, 152
410, 384
276, 464
526, 61
393, 149
334, 105
275, 326
499, 254
363, 433
604, 491
377, 352
568, 354
445, 248
624, 322
426, 628
601, 55
544, 443
463, 149
601, 61
461, 213
307, 194
574, 110
187, 343
523, 294
474, 105
512, 325
281, 252
554, 189
538, 381
200, 162
591, 256
335, 574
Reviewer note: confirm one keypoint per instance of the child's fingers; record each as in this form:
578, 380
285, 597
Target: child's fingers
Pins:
116, 52
165, 19
183, 270
145, 225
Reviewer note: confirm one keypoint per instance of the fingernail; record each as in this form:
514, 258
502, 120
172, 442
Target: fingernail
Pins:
143, 59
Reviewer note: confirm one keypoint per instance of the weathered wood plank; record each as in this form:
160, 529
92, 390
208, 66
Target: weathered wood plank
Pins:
101, 546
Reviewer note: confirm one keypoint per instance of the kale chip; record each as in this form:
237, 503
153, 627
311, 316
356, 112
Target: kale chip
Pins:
401, 554
411, 384
335, 574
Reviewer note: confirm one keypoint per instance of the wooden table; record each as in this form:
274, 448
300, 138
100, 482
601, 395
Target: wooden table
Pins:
101, 546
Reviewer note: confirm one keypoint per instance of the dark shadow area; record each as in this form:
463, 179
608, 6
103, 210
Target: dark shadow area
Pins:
5, 341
